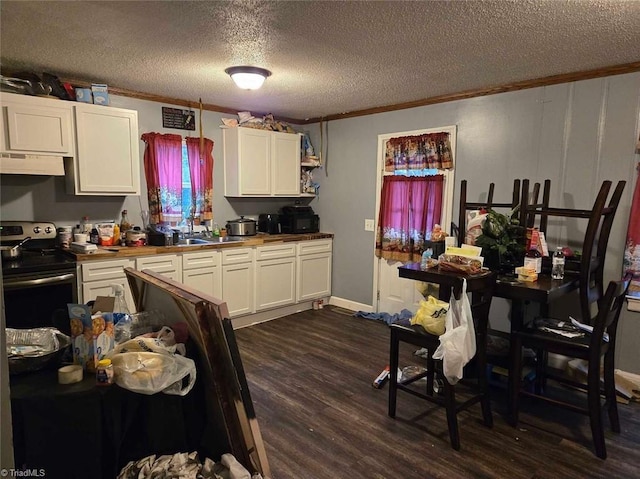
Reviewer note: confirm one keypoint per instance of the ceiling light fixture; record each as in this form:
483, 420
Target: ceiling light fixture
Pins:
248, 78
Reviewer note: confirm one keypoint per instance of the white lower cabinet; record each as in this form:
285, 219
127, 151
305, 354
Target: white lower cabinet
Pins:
168, 265
202, 270
96, 278
313, 269
237, 280
248, 279
275, 278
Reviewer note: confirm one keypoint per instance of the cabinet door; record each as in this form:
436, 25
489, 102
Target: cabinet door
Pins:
237, 288
285, 164
108, 160
208, 280
96, 278
37, 125
275, 283
167, 265
314, 276
254, 162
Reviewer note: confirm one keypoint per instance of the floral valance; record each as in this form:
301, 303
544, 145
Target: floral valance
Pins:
418, 152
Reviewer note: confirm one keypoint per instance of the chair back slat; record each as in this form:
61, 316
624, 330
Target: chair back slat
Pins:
608, 315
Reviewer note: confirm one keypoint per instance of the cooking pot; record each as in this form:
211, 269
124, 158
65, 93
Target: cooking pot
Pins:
241, 227
13, 252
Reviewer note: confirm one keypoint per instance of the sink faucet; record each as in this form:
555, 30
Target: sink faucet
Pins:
190, 219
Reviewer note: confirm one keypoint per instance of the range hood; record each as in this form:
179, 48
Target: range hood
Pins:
19, 164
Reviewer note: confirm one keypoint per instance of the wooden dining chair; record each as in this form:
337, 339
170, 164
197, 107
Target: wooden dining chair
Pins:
520, 196
592, 348
481, 295
600, 219
466, 206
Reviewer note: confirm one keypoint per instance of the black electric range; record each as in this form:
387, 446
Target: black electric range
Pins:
42, 281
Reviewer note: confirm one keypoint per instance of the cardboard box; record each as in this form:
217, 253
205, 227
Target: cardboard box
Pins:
92, 335
84, 95
100, 94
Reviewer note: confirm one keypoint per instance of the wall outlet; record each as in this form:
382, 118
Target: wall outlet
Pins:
368, 225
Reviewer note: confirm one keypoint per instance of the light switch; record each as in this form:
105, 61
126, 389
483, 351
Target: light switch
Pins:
368, 225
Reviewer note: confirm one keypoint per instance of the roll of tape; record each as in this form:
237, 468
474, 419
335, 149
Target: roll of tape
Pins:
70, 374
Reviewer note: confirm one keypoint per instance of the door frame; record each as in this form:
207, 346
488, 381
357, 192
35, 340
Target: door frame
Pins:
447, 202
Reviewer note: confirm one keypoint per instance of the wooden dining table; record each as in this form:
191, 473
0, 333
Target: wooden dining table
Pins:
543, 291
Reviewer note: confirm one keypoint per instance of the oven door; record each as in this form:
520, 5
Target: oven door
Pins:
39, 300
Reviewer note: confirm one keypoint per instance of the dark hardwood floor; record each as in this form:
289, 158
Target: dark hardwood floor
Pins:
310, 378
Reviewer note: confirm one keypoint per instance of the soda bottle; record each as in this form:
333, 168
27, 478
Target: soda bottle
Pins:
557, 264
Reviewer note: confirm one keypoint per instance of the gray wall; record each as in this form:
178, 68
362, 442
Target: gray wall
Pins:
577, 134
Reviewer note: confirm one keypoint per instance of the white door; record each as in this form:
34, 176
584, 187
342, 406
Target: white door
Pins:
391, 293
396, 293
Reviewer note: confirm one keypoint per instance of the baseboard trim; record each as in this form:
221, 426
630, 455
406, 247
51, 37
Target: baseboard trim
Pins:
352, 305
262, 316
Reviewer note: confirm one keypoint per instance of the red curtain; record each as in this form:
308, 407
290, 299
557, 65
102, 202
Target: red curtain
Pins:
409, 209
631, 265
163, 171
200, 153
418, 152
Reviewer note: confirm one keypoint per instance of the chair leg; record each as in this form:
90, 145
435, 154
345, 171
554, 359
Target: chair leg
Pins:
515, 377
541, 371
394, 349
431, 368
452, 418
483, 384
595, 413
610, 391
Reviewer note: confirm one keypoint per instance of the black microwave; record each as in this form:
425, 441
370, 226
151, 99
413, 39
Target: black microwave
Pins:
299, 223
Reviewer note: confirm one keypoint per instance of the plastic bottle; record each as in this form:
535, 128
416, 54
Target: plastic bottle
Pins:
533, 260
557, 264
426, 256
117, 239
120, 309
94, 237
85, 226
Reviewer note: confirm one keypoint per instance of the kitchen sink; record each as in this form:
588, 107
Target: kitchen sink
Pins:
193, 241
199, 241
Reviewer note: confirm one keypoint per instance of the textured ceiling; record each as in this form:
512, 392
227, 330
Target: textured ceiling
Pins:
327, 58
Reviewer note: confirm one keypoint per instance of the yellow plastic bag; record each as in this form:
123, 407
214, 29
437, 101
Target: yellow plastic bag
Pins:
431, 315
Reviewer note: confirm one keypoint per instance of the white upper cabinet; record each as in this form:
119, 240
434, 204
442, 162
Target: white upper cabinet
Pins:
261, 162
36, 126
107, 160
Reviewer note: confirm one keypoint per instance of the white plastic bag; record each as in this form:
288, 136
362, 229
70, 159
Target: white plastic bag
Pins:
458, 343
150, 373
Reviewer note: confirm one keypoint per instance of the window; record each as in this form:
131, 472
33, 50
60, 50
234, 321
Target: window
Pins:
179, 174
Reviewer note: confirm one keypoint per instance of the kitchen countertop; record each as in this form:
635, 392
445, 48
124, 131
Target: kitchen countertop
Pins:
114, 252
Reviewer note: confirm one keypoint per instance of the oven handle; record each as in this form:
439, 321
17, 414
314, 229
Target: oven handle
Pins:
38, 282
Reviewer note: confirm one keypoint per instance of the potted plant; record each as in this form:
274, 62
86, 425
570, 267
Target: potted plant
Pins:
502, 241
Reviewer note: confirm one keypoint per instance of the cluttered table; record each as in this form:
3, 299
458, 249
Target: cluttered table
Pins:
543, 291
